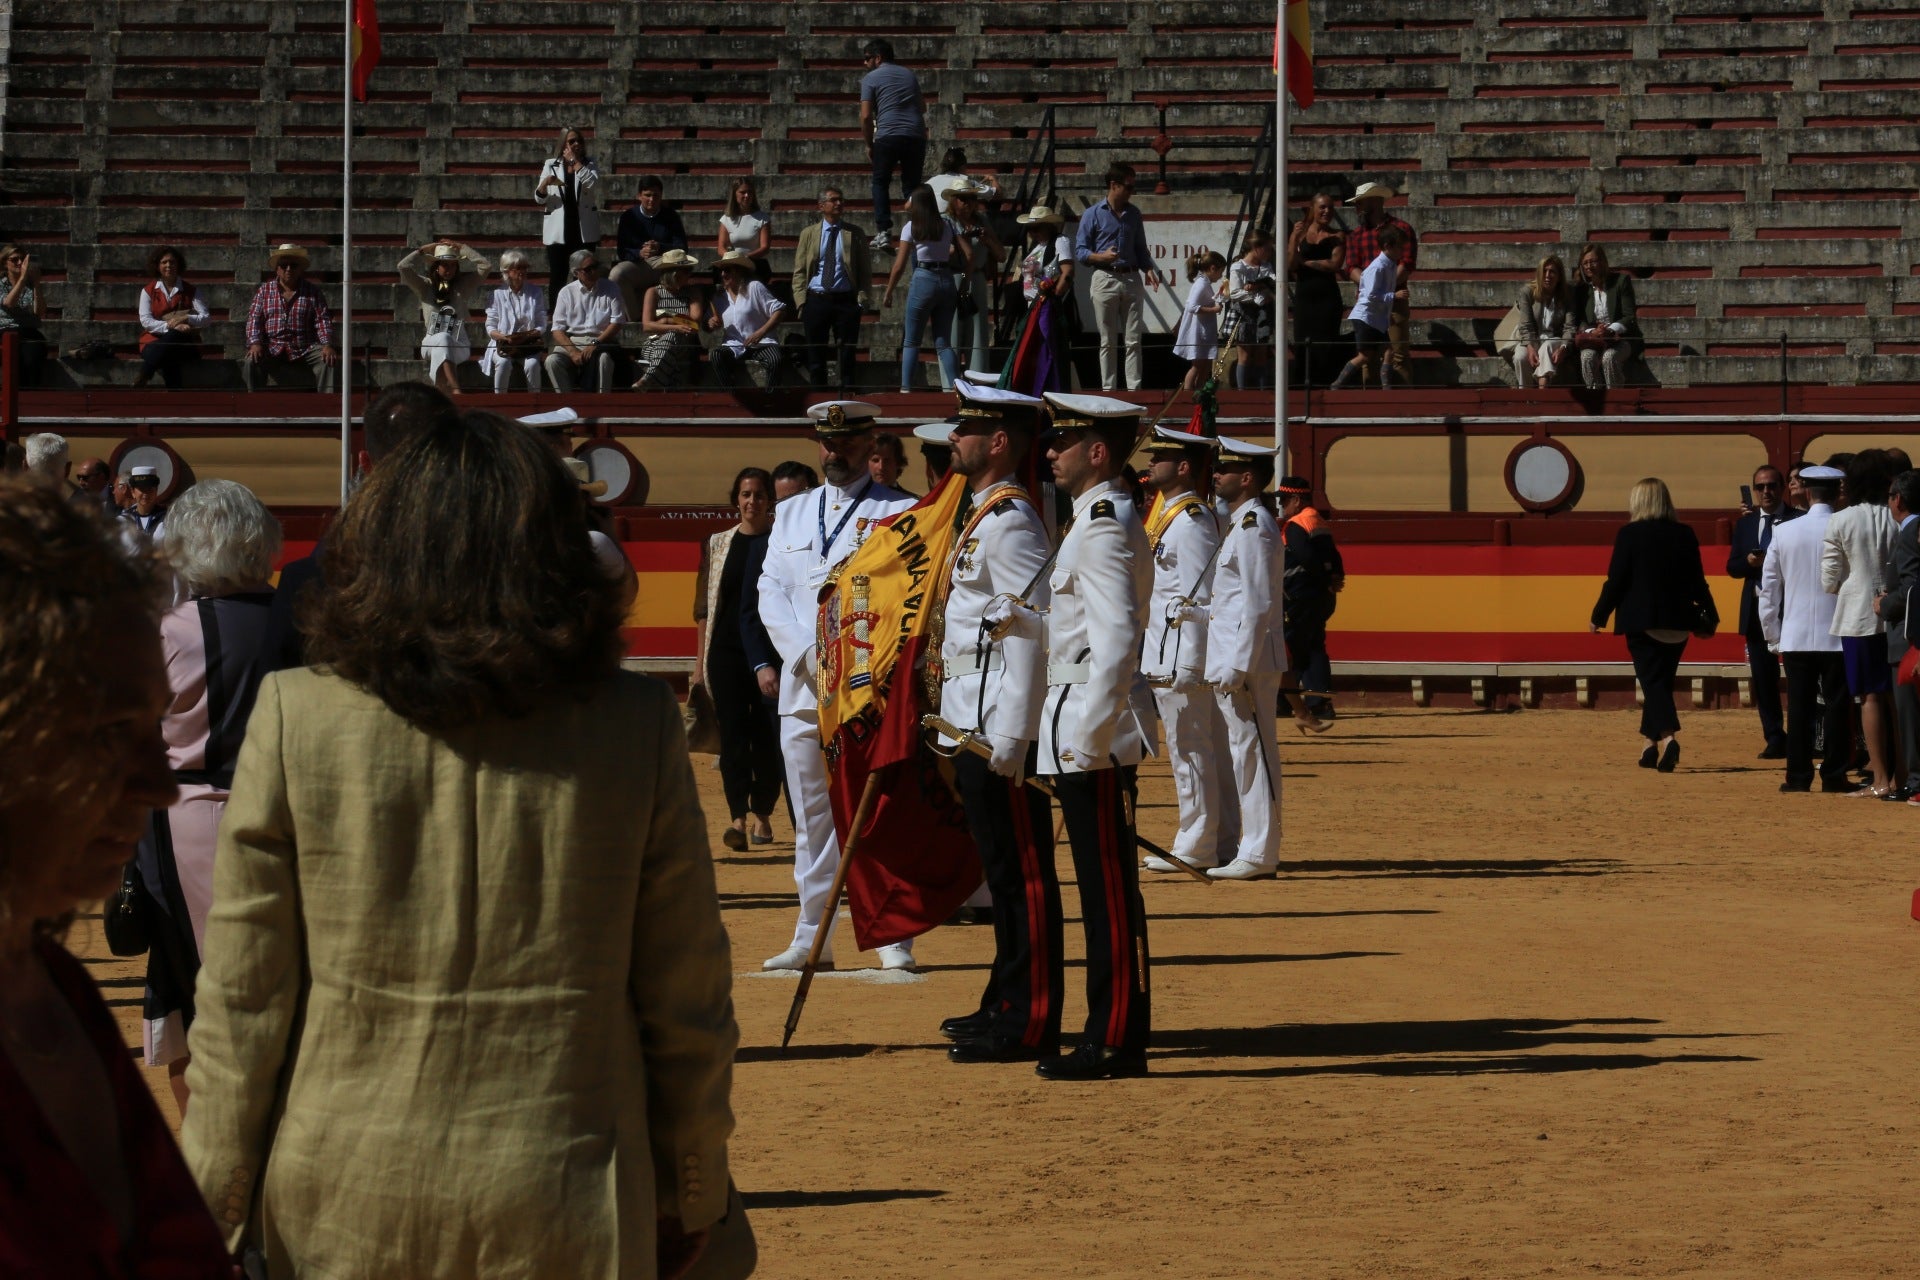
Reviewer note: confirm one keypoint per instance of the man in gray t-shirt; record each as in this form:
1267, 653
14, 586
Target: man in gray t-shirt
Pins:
893, 118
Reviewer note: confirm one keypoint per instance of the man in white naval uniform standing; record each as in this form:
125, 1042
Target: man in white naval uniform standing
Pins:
1098, 722
992, 686
812, 533
1246, 653
1185, 536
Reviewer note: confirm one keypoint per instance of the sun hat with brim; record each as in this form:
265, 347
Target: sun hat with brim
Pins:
446, 253
583, 474
1041, 213
293, 251
842, 417
1372, 190
675, 260
734, 258
967, 189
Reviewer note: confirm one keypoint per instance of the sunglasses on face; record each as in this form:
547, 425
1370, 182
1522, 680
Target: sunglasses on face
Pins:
1767, 486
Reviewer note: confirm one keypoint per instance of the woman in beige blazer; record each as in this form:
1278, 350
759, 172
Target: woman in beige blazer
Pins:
465, 1009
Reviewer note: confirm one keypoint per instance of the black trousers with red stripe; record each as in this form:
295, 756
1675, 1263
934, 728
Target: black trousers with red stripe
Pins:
1108, 869
1012, 826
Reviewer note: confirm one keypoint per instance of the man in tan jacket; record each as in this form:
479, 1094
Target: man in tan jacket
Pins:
830, 277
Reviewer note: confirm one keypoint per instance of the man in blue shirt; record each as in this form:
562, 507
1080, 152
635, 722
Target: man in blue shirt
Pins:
1113, 246
893, 118
646, 231
831, 271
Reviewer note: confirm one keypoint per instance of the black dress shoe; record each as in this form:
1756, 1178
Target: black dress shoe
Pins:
1796, 786
1670, 757
1650, 757
1842, 788
993, 1048
1778, 752
1899, 795
1094, 1062
968, 1026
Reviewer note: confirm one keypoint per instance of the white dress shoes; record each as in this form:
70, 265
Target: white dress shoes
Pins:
795, 957
1241, 869
897, 955
1154, 862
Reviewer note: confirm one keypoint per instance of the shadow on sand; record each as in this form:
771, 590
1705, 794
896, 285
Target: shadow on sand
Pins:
830, 1199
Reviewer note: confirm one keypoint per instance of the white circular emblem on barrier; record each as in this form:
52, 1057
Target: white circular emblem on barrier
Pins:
1542, 474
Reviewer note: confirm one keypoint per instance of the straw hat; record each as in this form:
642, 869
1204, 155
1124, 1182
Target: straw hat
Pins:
446, 253
732, 258
293, 251
1372, 191
1041, 213
675, 260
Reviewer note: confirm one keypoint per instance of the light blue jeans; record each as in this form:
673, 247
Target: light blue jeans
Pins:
930, 300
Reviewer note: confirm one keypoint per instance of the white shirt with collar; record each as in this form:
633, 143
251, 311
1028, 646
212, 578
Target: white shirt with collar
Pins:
1099, 710
995, 686
799, 560
197, 315
1245, 631
581, 313
1183, 557
1796, 615
842, 284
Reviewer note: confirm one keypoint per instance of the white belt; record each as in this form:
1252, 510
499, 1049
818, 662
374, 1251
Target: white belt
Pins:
1068, 672
969, 663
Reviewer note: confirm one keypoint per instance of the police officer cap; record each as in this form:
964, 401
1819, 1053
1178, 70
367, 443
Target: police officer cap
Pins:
1828, 474
842, 417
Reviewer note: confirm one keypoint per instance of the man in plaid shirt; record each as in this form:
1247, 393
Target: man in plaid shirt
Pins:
289, 324
1363, 246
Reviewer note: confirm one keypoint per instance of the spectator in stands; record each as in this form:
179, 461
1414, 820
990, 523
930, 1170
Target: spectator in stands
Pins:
1657, 594
746, 227
1046, 289
893, 121
830, 277
1606, 333
672, 313
1250, 294
745, 313
888, 460
147, 513
1545, 335
48, 461
934, 245
1374, 299
1752, 535
1316, 263
515, 877
1113, 246
1364, 243
647, 230
1903, 574
973, 309
93, 487
94, 1184
750, 769
568, 190
221, 544
1197, 340
172, 314
953, 172
1797, 617
516, 325
21, 311
586, 330
1855, 553
289, 324
446, 289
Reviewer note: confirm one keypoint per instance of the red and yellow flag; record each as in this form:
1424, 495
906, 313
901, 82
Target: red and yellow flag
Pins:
366, 46
916, 861
1293, 40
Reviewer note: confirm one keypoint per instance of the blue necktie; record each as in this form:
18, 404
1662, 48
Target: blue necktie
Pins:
1766, 531
830, 261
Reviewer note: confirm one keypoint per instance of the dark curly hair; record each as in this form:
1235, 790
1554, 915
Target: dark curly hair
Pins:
460, 581
153, 259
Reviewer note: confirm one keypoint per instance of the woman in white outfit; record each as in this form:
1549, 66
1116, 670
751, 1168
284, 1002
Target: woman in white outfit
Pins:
746, 313
446, 288
516, 325
745, 228
1545, 335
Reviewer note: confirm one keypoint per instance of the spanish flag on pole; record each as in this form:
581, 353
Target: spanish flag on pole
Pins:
366, 46
879, 624
1293, 40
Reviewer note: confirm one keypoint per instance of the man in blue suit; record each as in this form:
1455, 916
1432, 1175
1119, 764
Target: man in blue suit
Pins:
1752, 535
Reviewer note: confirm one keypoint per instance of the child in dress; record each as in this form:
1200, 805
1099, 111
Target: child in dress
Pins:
1198, 340
1371, 307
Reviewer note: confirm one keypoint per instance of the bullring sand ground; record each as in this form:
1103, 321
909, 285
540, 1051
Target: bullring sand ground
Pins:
1514, 1008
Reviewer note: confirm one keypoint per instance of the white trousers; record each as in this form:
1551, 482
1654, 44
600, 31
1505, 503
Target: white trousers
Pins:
1197, 753
503, 371
816, 849
1116, 313
1255, 756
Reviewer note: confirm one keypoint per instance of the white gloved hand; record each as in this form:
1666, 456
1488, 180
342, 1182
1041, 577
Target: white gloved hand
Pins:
1185, 680
1005, 616
1180, 614
1009, 755
1235, 681
1087, 758
810, 664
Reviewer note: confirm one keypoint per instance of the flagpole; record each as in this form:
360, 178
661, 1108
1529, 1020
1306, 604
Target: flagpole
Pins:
1282, 347
346, 260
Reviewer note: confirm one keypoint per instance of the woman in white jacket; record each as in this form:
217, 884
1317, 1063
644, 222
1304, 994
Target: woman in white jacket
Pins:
568, 189
1854, 561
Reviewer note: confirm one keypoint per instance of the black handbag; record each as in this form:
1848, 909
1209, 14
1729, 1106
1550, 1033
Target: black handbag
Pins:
126, 913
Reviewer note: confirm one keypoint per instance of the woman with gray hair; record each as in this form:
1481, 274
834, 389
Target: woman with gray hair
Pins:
222, 544
516, 325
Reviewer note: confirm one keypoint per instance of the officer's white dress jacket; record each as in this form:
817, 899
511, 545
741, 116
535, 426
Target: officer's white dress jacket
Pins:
995, 686
1796, 614
797, 565
1099, 710
1244, 637
1182, 573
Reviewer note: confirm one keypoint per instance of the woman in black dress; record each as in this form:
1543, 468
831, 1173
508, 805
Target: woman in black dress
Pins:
1316, 263
750, 765
1657, 593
